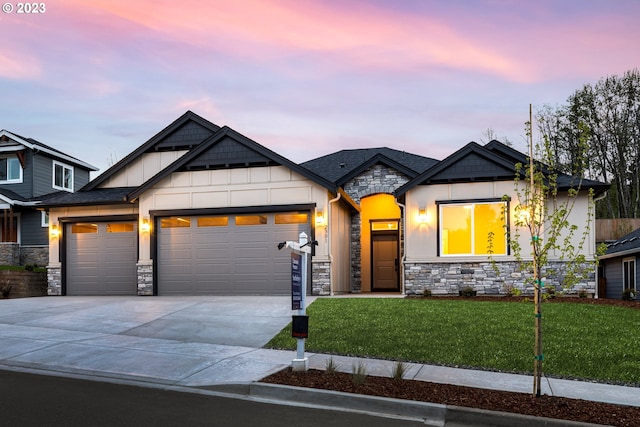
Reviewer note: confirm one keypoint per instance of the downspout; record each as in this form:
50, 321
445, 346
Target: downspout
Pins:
403, 209
328, 231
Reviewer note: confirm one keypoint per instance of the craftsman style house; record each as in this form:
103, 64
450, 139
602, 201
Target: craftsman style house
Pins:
619, 266
200, 209
30, 172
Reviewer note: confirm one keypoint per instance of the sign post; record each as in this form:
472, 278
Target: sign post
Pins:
300, 329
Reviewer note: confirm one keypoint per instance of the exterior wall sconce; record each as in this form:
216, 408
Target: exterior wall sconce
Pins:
320, 219
54, 231
422, 216
145, 226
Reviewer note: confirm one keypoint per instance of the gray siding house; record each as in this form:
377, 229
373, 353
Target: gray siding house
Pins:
619, 265
31, 172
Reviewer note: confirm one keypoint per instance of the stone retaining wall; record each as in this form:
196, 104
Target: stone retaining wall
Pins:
22, 284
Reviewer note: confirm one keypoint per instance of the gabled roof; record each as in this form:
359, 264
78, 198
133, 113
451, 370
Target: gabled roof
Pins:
564, 181
13, 142
626, 245
340, 167
472, 163
184, 133
228, 149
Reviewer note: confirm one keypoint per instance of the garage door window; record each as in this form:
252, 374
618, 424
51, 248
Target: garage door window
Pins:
292, 218
175, 222
251, 220
213, 221
121, 227
81, 228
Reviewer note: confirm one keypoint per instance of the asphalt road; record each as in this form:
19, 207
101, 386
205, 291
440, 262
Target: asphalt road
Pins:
40, 400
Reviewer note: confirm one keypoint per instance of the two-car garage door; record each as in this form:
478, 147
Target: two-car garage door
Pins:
226, 254
232, 254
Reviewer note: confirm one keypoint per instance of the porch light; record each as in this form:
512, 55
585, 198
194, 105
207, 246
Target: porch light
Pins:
54, 231
422, 215
145, 226
320, 220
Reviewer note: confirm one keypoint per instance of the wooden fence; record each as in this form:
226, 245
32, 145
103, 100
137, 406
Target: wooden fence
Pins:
613, 229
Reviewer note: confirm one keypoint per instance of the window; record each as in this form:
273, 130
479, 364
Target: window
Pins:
62, 176
292, 218
251, 220
10, 170
175, 222
84, 228
213, 221
120, 227
629, 273
473, 228
44, 219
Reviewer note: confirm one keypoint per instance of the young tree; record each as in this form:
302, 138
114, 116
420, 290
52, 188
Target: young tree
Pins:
543, 211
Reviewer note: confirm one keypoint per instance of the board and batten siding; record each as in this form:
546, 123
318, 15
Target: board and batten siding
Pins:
142, 169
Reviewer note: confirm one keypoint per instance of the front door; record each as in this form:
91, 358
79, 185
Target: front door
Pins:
385, 261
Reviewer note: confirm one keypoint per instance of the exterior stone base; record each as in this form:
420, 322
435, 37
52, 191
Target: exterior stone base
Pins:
9, 253
485, 278
22, 284
321, 278
36, 255
145, 278
54, 279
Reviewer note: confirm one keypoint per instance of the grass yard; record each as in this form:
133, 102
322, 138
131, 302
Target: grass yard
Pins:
579, 340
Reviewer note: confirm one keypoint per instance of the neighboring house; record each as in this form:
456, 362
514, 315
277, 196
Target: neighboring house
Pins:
200, 209
619, 265
30, 172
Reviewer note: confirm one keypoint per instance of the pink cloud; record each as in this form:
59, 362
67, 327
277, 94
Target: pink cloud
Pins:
17, 66
361, 35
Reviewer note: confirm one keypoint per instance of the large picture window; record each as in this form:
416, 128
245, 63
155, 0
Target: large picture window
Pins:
474, 228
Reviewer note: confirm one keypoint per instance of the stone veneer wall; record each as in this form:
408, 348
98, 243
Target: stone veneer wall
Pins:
9, 253
449, 278
379, 179
37, 255
145, 278
321, 278
54, 280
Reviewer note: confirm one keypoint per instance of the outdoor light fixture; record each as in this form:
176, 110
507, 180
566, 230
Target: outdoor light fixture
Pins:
320, 221
422, 215
145, 227
54, 231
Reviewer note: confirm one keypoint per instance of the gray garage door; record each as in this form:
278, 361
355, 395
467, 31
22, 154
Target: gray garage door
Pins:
227, 254
101, 258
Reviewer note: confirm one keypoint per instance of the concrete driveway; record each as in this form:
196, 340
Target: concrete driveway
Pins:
174, 340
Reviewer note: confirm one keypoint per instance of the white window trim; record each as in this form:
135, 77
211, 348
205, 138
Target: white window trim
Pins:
44, 219
12, 181
633, 273
53, 176
471, 204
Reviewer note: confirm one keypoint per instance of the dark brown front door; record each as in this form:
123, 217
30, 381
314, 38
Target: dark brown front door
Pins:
384, 261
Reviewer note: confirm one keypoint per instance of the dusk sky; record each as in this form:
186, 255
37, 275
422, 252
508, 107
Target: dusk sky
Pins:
304, 78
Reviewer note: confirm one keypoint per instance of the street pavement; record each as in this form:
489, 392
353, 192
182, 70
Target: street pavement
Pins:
210, 343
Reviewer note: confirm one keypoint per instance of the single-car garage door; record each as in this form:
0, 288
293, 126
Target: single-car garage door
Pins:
227, 254
101, 258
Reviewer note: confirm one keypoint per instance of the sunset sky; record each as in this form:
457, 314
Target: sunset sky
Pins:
303, 77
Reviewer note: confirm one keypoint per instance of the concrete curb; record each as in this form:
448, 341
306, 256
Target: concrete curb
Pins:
429, 413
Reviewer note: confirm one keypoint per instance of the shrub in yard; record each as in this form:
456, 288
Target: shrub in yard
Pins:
399, 370
331, 366
467, 292
629, 294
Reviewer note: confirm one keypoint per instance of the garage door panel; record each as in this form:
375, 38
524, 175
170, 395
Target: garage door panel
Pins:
228, 258
101, 258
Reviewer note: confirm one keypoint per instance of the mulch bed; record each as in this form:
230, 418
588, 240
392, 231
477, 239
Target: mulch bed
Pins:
521, 403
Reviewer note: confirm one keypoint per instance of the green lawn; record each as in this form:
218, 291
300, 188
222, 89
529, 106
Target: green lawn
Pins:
579, 340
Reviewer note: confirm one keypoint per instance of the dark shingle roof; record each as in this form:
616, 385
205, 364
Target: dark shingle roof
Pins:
12, 195
100, 196
337, 165
626, 243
